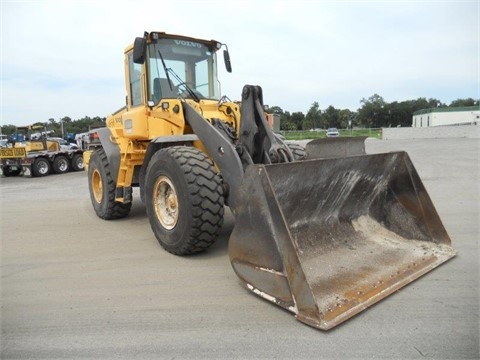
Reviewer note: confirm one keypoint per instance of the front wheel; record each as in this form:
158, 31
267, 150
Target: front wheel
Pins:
184, 200
102, 189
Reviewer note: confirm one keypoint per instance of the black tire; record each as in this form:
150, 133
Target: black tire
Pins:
184, 200
61, 164
7, 171
102, 189
297, 150
77, 162
41, 167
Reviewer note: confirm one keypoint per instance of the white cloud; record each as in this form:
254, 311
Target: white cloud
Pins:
65, 58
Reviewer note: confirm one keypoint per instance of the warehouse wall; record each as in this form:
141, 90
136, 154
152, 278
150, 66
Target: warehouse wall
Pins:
469, 131
446, 116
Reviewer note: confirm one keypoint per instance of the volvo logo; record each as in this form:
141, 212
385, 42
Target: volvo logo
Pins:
188, 43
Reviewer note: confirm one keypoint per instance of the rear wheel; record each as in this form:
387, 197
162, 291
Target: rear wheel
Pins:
77, 162
41, 167
184, 200
61, 165
102, 189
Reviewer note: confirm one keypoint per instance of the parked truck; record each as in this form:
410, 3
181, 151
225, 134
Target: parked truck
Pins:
324, 233
39, 155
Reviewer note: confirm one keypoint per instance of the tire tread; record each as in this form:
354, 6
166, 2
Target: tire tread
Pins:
206, 194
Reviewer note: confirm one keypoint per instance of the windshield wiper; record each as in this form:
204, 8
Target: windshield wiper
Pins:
178, 78
165, 69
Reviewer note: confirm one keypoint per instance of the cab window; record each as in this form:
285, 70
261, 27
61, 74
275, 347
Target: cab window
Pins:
135, 71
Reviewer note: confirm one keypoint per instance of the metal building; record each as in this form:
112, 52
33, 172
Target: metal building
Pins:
466, 115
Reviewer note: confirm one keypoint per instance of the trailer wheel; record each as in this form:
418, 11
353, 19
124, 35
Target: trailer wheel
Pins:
41, 167
61, 165
102, 189
184, 200
7, 171
77, 162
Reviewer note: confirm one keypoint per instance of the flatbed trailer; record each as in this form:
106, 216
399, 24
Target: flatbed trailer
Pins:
16, 161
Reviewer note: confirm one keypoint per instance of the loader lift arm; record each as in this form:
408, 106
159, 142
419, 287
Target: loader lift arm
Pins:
256, 143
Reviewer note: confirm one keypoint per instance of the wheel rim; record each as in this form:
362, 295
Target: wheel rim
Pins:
165, 201
63, 165
80, 162
42, 167
97, 186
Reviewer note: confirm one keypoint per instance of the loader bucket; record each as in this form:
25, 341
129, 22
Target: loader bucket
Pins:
327, 238
335, 147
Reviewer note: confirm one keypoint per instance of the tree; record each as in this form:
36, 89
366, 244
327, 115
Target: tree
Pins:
312, 119
8, 129
464, 102
372, 113
376, 112
287, 125
274, 110
297, 119
345, 116
331, 118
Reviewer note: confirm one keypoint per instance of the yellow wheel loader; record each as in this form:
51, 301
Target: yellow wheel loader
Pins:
323, 232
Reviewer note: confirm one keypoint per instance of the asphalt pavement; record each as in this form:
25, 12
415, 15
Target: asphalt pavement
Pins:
75, 286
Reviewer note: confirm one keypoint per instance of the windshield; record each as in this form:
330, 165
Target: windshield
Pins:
193, 63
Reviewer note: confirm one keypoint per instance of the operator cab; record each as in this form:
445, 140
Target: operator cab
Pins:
176, 67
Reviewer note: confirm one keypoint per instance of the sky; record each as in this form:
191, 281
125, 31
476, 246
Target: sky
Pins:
65, 57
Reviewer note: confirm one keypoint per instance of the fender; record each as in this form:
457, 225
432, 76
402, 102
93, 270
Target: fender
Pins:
157, 144
112, 150
162, 142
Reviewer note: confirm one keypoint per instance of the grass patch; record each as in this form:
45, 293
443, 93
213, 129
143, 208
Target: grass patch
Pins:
304, 135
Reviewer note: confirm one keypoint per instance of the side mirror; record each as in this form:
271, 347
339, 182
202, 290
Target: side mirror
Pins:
226, 58
139, 50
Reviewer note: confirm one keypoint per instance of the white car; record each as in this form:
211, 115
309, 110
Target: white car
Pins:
332, 132
64, 144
